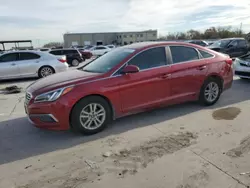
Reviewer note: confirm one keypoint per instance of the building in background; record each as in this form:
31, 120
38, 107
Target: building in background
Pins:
118, 38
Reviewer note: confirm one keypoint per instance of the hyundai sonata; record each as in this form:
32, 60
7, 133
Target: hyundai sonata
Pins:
127, 80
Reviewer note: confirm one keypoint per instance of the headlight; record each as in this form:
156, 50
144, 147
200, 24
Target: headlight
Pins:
53, 95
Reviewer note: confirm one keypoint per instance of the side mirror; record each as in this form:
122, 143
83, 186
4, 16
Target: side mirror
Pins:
230, 46
130, 69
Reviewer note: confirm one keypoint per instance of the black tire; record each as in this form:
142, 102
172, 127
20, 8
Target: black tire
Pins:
202, 98
40, 71
75, 62
76, 112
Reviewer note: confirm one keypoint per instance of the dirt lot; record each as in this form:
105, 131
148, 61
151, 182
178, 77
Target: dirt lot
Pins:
183, 146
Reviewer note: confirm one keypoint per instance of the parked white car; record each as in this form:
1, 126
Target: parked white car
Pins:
111, 46
99, 50
242, 66
44, 49
22, 64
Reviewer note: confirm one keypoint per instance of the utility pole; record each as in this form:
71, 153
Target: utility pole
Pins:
241, 27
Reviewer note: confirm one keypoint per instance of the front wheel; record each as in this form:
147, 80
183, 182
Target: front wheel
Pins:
91, 115
210, 92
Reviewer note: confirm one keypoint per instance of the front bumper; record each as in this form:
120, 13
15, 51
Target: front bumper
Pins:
241, 69
50, 115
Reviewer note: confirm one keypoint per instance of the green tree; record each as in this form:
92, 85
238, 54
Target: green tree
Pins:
53, 44
209, 33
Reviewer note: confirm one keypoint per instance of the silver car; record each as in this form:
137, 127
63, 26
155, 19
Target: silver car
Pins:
22, 64
242, 66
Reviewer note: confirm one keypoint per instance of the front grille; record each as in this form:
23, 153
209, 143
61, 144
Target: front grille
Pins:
45, 118
28, 97
240, 73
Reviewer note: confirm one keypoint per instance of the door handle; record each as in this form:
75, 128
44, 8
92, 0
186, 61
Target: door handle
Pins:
13, 64
165, 76
202, 67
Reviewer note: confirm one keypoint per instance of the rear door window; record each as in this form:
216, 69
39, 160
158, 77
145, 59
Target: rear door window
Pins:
151, 58
70, 52
242, 43
56, 52
28, 56
183, 54
234, 43
205, 54
9, 57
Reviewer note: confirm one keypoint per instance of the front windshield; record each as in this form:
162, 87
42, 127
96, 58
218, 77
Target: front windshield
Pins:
221, 43
108, 61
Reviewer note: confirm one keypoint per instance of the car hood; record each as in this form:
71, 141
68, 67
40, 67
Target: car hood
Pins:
61, 80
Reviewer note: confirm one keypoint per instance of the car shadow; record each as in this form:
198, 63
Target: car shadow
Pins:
19, 139
20, 80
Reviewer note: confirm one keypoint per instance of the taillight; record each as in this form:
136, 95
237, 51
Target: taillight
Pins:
62, 60
229, 61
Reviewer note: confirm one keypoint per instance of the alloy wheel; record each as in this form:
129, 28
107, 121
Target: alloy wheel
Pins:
92, 116
46, 71
212, 92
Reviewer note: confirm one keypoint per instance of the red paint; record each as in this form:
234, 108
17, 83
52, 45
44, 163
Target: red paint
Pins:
130, 93
130, 69
86, 54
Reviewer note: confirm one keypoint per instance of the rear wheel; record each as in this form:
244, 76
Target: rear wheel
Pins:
91, 115
45, 71
75, 62
210, 92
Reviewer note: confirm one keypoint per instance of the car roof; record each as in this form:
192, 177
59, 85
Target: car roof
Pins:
17, 51
28, 51
21, 51
197, 40
233, 39
64, 49
142, 45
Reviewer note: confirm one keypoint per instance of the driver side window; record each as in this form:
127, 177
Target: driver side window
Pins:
151, 58
9, 57
234, 43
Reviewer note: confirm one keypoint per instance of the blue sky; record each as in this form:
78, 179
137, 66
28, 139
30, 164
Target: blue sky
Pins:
48, 20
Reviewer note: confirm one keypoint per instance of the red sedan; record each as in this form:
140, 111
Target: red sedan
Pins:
127, 80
